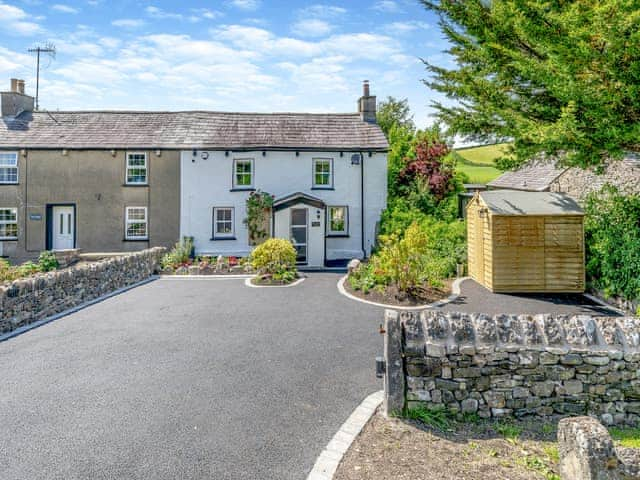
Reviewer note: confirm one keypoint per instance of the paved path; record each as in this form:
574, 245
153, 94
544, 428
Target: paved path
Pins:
187, 379
475, 298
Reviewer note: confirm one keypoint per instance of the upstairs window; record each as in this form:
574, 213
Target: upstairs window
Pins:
338, 221
136, 168
8, 167
322, 173
223, 222
243, 173
8, 223
136, 223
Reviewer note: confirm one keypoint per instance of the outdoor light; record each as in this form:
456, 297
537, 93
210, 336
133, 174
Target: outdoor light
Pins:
64, 152
341, 154
226, 153
195, 152
297, 154
264, 153
113, 153
158, 153
381, 368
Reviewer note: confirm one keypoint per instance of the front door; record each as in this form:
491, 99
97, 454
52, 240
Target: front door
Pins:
63, 228
299, 233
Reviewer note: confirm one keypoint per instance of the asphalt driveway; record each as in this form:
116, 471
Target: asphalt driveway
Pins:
474, 298
187, 379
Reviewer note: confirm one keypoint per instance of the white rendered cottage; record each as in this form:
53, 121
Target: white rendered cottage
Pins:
327, 173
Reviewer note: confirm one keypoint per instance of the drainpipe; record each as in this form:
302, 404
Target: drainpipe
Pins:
364, 251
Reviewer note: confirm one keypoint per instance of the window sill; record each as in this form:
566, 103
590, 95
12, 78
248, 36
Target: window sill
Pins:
243, 189
322, 188
338, 235
135, 239
9, 183
218, 239
8, 239
135, 184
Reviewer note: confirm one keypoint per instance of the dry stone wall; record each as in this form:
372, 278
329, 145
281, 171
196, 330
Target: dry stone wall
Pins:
28, 300
514, 365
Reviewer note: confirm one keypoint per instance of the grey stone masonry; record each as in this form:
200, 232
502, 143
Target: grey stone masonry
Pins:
35, 298
516, 365
587, 452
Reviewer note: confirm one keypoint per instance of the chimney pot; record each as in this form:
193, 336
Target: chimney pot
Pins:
367, 104
14, 102
14, 85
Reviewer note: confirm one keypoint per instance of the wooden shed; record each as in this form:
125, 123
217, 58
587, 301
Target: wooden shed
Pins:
526, 242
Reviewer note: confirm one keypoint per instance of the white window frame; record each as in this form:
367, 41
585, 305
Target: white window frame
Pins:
345, 230
129, 221
235, 185
6, 157
228, 235
328, 186
10, 222
137, 167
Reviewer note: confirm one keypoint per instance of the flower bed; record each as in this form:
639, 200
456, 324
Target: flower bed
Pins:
46, 262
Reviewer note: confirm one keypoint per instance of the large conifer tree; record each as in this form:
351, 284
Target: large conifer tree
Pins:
553, 76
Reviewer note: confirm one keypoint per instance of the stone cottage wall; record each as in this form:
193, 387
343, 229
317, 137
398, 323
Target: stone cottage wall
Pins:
28, 300
509, 365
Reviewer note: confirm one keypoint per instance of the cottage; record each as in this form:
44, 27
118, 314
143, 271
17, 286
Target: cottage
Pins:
109, 181
526, 242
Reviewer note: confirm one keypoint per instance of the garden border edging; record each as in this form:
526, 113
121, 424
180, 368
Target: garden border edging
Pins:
455, 293
248, 283
328, 461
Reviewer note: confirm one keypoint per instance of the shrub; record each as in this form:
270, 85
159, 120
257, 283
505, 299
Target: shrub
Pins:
275, 256
179, 255
612, 237
47, 261
427, 252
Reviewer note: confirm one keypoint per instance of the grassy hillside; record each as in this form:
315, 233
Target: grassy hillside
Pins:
478, 162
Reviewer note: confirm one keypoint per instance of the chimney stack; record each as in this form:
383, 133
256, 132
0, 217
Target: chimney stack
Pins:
367, 104
15, 101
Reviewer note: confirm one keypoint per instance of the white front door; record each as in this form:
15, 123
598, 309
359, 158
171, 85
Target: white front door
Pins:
63, 225
300, 234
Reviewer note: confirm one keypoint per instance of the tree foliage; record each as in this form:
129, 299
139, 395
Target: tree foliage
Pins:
395, 113
554, 76
612, 237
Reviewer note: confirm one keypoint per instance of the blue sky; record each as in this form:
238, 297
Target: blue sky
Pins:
232, 55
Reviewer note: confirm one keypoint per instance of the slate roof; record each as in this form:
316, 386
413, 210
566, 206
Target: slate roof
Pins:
535, 176
185, 130
510, 202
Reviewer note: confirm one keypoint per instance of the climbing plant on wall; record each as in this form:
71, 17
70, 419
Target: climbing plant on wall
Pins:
258, 219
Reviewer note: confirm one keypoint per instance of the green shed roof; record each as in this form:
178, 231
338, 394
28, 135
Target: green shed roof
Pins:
512, 202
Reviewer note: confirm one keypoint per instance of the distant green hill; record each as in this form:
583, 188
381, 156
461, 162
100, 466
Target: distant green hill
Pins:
478, 162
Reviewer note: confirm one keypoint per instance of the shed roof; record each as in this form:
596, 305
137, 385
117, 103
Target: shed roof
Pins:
194, 129
511, 202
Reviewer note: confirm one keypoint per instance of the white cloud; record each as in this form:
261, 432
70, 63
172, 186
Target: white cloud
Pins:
323, 11
128, 23
245, 4
389, 6
16, 21
59, 7
311, 27
206, 13
402, 28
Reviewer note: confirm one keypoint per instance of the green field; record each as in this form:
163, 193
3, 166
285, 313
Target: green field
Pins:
478, 162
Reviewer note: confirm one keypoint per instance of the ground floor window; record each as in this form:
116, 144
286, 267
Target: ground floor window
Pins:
8, 223
136, 223
338, 220
223, 222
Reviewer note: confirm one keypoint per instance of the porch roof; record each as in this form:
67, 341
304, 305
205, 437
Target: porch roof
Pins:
295, 198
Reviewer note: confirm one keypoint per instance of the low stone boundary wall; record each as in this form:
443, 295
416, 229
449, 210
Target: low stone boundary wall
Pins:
31, 299
513, 365
587, 452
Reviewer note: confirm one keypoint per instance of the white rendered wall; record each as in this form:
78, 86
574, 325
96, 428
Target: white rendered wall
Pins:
207, 183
